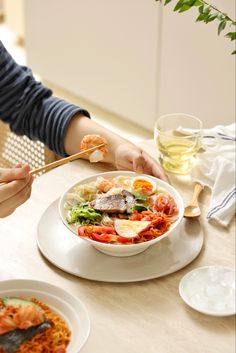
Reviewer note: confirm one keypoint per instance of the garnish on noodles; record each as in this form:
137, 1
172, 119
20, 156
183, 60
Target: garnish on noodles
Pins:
120, 210
30, 326
90, 141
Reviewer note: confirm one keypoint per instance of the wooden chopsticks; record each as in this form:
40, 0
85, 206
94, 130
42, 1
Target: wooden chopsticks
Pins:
65, 160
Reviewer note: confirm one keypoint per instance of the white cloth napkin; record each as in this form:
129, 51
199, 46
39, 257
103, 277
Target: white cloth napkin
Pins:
216, 169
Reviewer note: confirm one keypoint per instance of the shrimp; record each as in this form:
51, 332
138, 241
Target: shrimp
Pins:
89, 141
104, 185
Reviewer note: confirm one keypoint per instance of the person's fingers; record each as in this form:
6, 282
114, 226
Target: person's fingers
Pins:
132, 159
8, 206
12, 188
153, 167
159, 173
139, 164
9, 174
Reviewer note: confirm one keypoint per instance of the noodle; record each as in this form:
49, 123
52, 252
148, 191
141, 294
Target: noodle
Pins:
53, 340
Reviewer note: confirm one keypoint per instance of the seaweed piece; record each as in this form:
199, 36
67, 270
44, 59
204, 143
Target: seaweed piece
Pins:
11, 341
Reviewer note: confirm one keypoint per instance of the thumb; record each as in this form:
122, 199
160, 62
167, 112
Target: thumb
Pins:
9, 174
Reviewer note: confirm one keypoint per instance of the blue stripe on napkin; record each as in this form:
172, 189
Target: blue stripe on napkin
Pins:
221, 136
224, 202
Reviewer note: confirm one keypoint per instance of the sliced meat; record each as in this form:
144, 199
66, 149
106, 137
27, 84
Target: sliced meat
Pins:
129, 199
110, 204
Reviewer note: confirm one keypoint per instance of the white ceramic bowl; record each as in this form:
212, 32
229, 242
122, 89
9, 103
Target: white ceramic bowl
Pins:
132, 249
69, 307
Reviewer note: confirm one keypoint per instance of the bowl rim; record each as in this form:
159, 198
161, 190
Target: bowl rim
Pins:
128, 173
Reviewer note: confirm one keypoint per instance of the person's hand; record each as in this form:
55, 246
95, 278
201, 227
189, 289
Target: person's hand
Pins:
130, 157
15, 188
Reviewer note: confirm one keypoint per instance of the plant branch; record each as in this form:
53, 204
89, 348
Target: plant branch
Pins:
217, 10
207, 13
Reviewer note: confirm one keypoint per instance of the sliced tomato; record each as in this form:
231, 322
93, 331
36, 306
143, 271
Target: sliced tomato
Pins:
103, 238
104, 230
80, 231
124, 240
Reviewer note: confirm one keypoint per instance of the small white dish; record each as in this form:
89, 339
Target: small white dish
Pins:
116, 249
210, 290
69, 307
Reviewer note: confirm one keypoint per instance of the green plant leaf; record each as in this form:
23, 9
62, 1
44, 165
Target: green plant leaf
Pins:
178, 5
220, 17
201, 9
167, 2
189, 2
207, 10
197, 3
221, 26
185, 7
201, 17
210, 18
231, 35
233, 52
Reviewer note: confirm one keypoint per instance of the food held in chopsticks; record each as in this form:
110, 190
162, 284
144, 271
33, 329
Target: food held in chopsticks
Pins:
29, 326
89, 141
120, 210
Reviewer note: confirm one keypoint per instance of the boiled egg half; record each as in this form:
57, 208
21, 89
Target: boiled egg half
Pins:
130, 229
144, 184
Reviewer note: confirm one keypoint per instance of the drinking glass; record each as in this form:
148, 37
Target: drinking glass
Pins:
177, 137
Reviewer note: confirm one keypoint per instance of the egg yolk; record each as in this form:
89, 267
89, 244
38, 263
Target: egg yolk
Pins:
142, 184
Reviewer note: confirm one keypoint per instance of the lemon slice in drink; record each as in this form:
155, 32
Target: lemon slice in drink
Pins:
130, 229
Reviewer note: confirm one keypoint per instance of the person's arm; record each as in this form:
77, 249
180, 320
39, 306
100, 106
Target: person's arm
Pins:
122, 153
29, 107
31, 110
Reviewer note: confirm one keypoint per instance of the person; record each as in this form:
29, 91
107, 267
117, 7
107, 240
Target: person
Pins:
31, 109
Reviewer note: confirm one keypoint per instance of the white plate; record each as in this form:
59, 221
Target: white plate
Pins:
210, 290
73, 255
70, 308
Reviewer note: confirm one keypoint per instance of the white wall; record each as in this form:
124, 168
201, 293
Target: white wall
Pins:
197, 68
104, 51
14, 16
135, 58
1, 5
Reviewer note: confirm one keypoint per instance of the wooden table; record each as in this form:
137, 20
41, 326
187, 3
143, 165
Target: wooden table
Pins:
141, 317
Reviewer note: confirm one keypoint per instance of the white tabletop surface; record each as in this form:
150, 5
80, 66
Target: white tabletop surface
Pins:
138, 317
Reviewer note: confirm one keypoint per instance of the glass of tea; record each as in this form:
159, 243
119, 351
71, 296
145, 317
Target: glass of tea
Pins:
177, 137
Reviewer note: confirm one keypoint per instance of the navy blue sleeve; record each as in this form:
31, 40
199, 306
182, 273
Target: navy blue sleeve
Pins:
30, 108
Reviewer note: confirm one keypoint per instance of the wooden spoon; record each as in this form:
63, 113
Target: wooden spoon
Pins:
192, 209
